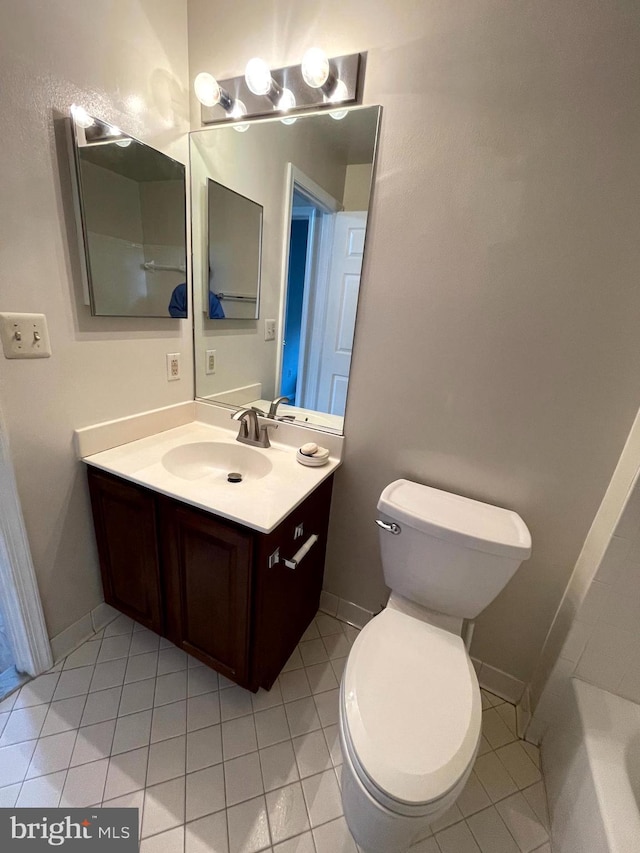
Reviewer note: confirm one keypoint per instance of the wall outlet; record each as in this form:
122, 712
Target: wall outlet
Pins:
269, 330
210, 361
173, 366
25, 335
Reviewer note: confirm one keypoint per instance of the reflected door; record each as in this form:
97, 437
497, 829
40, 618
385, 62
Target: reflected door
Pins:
340, 312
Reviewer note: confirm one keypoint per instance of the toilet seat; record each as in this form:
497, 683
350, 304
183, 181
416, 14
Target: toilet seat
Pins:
411, 711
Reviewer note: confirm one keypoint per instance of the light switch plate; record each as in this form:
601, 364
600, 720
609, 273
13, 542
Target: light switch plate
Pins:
210, 361
173, 366
269, 330
24, 335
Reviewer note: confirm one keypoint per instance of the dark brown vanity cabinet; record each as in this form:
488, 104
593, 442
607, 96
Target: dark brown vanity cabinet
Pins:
211, 586
124, 517
207, 585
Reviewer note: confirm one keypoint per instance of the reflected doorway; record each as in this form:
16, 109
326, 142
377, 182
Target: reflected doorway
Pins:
323, 278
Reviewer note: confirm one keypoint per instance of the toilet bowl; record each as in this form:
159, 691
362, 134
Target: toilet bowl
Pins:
410, 719
410, 707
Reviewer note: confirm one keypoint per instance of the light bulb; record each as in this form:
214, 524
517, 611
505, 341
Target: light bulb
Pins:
81, 116
287, 102
315, 67
206, 88
124, 143
258, 76
239, 111
340, 93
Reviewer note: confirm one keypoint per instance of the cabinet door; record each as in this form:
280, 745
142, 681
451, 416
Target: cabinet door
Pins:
207, 585
125, 525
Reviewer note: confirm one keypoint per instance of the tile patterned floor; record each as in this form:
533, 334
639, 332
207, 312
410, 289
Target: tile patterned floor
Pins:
129, 720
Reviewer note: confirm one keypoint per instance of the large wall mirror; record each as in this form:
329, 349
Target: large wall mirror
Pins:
131, 210
312, 181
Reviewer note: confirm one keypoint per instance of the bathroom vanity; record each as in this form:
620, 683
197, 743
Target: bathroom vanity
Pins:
219, 581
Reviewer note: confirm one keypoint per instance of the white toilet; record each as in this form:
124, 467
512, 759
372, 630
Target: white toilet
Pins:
410, 710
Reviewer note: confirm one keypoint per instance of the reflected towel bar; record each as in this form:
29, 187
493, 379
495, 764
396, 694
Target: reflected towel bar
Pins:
152, 266
237, 297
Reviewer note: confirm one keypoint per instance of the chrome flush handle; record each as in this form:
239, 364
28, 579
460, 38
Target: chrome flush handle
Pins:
389, 527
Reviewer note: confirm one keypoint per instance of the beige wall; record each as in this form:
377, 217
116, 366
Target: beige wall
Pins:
115, 203
163, 206
125, 61
496, 350
357, 186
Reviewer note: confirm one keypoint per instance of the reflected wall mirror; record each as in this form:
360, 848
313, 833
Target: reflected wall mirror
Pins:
131, 209
312, 179
234, 237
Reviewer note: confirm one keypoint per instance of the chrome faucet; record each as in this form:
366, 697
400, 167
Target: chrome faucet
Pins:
273, 408
251, 432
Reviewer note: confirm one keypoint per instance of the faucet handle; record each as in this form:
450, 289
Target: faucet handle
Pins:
264, 435
241, 415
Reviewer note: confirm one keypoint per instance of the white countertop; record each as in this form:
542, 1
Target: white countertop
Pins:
260, 504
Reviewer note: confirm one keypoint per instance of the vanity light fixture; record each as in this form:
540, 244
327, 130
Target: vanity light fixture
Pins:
210, 93
260, 82
319, 82
318, 72
258, 78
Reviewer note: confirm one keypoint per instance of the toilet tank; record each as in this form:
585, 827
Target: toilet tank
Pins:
449, 553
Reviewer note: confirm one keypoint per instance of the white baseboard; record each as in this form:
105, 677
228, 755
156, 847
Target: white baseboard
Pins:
68, 640
345, 611
500, 683
102, 615
523, 713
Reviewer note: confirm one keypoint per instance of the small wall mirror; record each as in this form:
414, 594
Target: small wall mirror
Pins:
234, 240
131, 211
312, 179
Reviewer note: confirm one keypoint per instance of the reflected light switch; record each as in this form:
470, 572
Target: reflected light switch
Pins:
269, 330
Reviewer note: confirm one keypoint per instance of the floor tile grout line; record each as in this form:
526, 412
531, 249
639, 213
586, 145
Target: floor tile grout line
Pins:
501, 819
38, 741
323, 727
60, 671
146, 772
299, 781
87, 694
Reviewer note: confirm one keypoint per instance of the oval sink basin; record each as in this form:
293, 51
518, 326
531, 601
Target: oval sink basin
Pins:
215, 458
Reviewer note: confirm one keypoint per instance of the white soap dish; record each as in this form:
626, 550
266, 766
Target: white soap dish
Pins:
311, 461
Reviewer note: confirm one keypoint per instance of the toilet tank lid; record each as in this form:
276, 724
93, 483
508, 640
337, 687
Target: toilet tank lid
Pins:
456, 519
